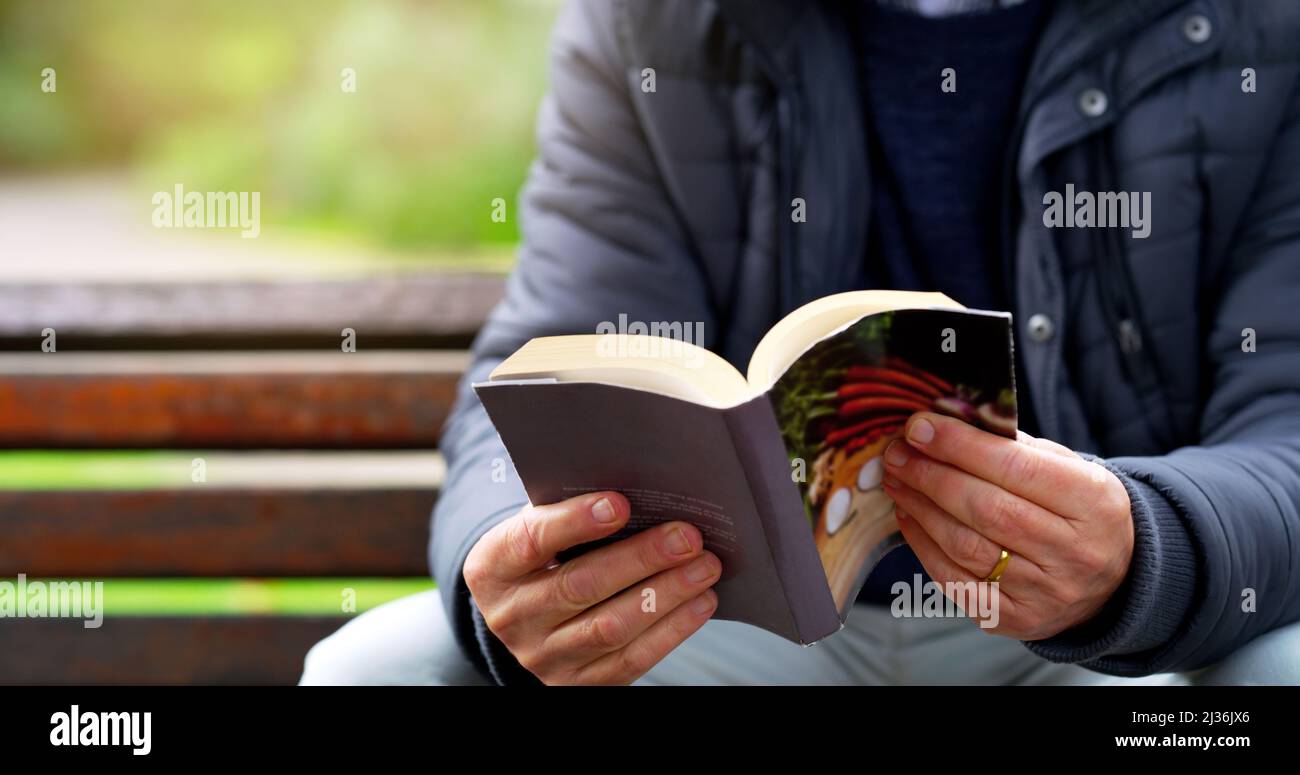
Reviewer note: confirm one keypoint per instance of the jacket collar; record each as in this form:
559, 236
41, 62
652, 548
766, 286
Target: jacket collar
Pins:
1078, 29
770, 25
1075, 30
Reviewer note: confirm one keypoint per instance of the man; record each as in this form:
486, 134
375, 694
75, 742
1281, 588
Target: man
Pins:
727, 161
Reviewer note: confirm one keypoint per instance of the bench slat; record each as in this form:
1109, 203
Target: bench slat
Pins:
215, 532
227, 401
241, 650
439, 309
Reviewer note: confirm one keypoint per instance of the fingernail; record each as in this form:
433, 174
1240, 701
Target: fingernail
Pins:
896, 453
900, 515
703, 604
678, 543
699, 570
603, 511
921, 431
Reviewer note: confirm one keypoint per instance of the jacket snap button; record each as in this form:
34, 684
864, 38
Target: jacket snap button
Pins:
1197, 28
1041, 327
1130, 339
1092, 102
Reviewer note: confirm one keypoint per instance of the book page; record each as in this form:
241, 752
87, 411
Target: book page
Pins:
844, 400
801, 329
658, 364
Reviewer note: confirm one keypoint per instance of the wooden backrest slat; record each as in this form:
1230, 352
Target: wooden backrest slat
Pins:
240, 650
216, 532
417, 309
227, 401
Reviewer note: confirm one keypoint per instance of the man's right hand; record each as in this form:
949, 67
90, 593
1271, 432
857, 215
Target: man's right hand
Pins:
583, 621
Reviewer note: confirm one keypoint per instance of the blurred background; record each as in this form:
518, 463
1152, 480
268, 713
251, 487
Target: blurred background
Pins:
180, 415
246, 96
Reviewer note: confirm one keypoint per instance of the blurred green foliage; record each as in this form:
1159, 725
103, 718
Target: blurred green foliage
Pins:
52, 469
289, 597
239, 95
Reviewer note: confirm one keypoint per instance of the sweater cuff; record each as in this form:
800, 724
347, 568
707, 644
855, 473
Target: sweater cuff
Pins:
1148, 609
501, 664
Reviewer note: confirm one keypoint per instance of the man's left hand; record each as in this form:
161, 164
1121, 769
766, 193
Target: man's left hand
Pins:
963, 495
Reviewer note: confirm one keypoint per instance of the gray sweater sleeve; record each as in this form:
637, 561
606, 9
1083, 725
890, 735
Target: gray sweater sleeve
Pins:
1149, 608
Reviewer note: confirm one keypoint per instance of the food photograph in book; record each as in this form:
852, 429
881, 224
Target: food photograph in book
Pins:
848, 396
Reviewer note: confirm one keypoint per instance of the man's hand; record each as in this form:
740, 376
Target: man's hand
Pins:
963, 495
583, 621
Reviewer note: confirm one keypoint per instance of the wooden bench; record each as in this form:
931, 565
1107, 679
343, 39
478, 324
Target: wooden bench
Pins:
270, 376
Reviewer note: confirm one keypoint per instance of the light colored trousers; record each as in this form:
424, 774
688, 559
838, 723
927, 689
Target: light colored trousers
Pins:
409, 641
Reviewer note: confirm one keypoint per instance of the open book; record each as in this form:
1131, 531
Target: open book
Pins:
781, 469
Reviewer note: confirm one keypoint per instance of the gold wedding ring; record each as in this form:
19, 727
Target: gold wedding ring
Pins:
1000, 568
